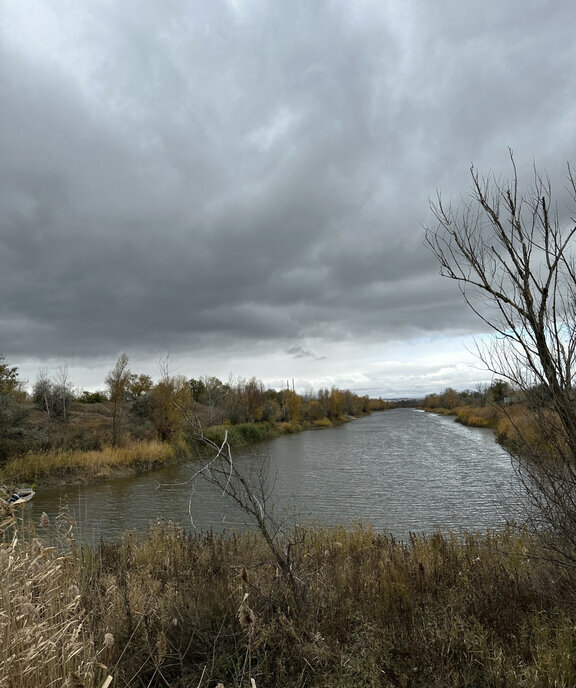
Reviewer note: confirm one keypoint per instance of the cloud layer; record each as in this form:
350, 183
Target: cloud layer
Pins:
226, 178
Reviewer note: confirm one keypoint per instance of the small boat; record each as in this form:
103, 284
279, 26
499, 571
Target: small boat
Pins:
21, 497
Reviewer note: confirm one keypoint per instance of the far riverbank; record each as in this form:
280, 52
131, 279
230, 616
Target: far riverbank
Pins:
512, 425
61, 467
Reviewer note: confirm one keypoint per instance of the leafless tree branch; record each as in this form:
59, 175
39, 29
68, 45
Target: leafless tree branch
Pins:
513, 262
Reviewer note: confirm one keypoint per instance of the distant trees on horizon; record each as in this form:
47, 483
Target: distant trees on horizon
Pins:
236, 401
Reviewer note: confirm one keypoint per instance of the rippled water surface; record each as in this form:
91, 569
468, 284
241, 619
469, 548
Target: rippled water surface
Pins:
402, 470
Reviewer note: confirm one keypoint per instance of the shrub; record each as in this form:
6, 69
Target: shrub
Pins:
323, 423
92, 397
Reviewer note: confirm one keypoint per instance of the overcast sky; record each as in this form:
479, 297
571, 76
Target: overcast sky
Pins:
242, 185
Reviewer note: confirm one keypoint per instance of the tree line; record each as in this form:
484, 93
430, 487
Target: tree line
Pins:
498, 392
127, 393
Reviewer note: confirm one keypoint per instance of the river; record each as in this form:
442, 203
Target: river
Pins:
402, 471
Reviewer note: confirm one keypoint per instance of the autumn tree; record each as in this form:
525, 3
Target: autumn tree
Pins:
431, 401
314, 410
335, 403
167, 398
253, 392
272, 409
292, 406
449, 398
138, 385
117, 383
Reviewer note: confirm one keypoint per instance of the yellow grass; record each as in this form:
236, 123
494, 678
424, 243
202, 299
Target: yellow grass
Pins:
140, 455
520, 427
516, 427
484, 417
323, 423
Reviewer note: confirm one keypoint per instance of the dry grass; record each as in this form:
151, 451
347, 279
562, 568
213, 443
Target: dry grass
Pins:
170, 609
323, 423
437, 611
44, 638
50, 465
519, 427
484, 417
515, 425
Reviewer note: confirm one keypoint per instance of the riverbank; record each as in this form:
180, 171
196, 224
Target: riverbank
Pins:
472, 416
167, 608
60, 467
69, 467
512, 425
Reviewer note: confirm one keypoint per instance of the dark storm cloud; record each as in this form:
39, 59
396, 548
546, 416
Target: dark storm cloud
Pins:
177, 175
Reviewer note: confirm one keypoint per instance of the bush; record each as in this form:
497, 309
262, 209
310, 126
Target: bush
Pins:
323, 423
92, 397
242, 434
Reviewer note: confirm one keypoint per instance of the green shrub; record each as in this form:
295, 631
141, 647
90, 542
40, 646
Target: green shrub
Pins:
92, 397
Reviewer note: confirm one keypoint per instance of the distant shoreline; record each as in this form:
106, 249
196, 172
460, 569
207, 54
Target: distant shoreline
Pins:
59, 468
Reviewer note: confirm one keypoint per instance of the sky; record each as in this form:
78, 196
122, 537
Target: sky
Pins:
240, 188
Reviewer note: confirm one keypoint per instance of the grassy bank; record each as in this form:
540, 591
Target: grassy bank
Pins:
514, 426
64, 466
472, 416
165, 609
249, 433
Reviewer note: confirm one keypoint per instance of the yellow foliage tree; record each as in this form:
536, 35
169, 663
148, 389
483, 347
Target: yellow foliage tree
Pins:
292, 406
335, 403
167, 398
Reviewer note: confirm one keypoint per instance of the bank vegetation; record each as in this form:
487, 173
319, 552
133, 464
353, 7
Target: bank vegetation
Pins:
510, 413
58, 434
167, 608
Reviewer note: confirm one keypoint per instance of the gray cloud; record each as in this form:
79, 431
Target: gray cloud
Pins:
300, 352
218, 174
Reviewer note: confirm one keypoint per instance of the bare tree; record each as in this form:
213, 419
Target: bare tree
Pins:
251, 491
42, 392
63, 391
53, 394
117, 382
512, 258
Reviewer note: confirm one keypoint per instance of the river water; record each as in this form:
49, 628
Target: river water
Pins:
401, 471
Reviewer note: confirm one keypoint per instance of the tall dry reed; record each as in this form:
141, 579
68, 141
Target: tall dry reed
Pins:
44, 636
